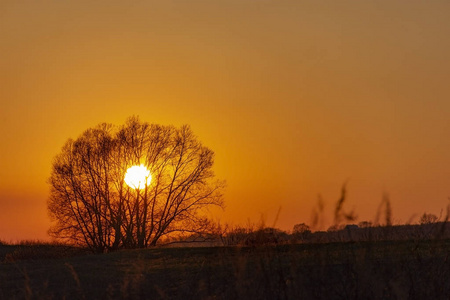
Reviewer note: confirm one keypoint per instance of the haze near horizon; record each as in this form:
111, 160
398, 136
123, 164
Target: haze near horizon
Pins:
294, 97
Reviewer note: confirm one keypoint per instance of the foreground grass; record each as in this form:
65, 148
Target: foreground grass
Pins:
363, 270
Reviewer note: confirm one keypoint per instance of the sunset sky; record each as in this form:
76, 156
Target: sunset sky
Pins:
294, 97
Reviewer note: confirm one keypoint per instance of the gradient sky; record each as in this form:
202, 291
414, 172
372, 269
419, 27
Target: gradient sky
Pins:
294, 97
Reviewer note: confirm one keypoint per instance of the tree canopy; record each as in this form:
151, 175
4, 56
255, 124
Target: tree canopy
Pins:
91, 204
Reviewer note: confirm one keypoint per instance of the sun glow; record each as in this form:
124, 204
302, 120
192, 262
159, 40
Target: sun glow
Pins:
138, 177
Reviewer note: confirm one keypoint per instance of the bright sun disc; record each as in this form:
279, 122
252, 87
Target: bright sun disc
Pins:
138, 177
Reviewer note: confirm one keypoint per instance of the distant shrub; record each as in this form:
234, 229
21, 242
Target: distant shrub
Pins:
301, 228
236, 236
266, 236
428, 219
335, 227
365, 224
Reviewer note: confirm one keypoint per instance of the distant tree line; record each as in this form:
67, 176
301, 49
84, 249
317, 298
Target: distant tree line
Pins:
429, 227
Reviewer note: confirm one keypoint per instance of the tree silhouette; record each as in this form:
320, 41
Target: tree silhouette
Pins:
301, 228
91, 205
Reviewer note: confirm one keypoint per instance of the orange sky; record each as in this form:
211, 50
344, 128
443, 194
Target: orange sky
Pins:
295, 97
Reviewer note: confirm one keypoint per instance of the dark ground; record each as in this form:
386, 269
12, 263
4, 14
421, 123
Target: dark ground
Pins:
354, 270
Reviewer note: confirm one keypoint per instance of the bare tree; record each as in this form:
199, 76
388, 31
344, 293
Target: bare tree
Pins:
301, 232
301, 228
91, 204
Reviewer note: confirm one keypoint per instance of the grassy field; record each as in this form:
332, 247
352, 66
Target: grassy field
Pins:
357, 270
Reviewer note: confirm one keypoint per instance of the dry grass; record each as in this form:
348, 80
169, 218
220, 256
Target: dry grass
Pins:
362, 270
258, 263
35, 250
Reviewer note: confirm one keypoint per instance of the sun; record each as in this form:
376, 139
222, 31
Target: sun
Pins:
137, 177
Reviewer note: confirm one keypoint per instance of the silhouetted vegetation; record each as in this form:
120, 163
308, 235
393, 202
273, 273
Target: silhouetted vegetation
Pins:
356, 270
363, 261
92, 206
349, 261
428, 219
